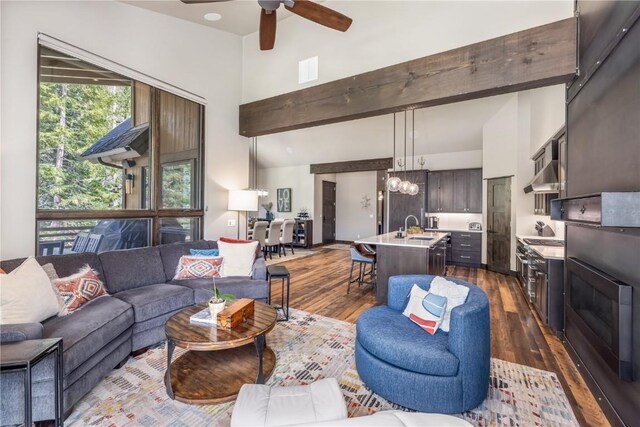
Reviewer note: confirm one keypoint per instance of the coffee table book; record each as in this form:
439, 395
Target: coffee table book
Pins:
203, 317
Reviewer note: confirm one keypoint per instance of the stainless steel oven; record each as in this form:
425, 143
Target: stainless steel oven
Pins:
522, 263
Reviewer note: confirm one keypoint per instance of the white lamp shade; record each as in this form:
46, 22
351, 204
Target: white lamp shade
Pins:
243, 200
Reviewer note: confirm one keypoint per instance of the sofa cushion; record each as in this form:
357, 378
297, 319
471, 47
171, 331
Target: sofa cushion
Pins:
390, 336
132, 268
171, 253
65, 265
85, 331
239, 287
155, 300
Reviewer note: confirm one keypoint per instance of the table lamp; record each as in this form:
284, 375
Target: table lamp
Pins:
243, 201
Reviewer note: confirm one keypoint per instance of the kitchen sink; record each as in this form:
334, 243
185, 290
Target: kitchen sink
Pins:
420, 238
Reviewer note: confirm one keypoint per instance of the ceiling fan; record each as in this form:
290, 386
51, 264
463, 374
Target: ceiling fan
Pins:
307, 9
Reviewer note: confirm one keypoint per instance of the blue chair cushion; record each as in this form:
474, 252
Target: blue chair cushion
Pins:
390, 336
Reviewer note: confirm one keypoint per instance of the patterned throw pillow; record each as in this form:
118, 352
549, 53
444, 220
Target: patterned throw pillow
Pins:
425, 309
205, 252
79, 289
195, 267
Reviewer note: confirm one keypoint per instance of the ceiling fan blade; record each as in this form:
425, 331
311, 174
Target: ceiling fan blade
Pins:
267, 29
320, 14
202, 1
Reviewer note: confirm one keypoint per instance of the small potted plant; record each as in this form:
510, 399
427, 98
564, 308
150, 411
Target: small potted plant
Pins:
218, 301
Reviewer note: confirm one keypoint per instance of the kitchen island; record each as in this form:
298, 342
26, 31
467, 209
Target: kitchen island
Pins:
411, 254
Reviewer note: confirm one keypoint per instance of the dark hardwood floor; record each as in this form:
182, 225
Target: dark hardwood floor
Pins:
319, 285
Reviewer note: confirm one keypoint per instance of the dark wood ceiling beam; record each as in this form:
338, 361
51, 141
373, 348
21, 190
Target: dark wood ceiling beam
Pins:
352, 166
528, 59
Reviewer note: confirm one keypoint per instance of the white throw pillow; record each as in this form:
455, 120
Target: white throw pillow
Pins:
26, 295
455, 294
237, 258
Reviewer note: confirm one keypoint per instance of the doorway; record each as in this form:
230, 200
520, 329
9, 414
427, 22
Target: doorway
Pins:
499, 225
328, 212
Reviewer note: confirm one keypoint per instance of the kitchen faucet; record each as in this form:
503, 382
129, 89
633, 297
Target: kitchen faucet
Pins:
407, 219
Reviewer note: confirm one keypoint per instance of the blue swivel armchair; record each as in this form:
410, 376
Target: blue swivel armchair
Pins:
443, 373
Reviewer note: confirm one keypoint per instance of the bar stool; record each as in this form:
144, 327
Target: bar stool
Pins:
357, 256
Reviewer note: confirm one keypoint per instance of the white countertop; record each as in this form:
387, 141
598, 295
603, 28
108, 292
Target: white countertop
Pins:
454, 229
390, 239
547, 252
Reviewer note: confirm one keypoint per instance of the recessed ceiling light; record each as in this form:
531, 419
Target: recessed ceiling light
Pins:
212, 16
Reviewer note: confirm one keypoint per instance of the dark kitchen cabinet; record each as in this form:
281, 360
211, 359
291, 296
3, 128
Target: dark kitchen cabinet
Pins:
440, 190
455, 191
467, 191
401, 205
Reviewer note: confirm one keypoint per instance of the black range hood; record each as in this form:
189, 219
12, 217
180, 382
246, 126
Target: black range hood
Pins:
545, 181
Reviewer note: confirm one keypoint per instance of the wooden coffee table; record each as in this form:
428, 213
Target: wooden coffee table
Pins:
218, 361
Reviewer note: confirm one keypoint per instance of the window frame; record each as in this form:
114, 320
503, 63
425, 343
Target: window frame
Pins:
153, 212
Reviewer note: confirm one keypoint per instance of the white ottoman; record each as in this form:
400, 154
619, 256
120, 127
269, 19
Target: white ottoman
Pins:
261, 405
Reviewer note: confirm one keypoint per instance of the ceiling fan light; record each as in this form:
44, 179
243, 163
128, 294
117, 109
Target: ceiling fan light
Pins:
393, 184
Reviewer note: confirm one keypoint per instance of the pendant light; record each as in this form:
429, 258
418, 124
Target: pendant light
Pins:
405, 184
414, 188
393, 183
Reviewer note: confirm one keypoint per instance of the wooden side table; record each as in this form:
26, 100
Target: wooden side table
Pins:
280, 272
22, 356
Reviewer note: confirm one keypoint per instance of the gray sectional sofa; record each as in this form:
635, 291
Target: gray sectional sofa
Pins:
102, 334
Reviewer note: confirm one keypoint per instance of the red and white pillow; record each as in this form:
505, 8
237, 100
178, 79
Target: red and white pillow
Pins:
198, 267
78, 289
425, 309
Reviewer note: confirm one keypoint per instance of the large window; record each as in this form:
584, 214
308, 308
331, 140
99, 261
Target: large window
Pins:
118, 160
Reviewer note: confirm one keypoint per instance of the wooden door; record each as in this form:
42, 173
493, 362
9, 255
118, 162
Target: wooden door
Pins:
446, 191
328, 212
499, 225
460, 190
474, 193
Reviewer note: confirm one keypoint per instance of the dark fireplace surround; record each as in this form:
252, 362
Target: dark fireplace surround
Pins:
599, 309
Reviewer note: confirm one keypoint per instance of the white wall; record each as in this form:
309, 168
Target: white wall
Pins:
193, 57
353, 220
499, 159
297, 178
383, 33
525, 122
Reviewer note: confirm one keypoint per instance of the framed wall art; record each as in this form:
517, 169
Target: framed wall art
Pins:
284, 199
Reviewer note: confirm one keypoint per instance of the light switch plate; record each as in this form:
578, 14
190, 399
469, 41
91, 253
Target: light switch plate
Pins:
231, 223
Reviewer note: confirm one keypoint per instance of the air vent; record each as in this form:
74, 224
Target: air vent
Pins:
308, 70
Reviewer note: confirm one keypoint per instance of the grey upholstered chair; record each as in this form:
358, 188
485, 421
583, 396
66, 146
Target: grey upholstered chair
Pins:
286, 238
260, 232
273, 238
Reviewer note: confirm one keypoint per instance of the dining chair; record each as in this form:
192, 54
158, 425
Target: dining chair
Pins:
286, 237
80, 242
260, 233
273, 238
93, 243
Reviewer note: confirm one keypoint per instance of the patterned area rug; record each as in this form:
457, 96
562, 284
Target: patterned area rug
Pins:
300, 253
338, 246
310, 347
